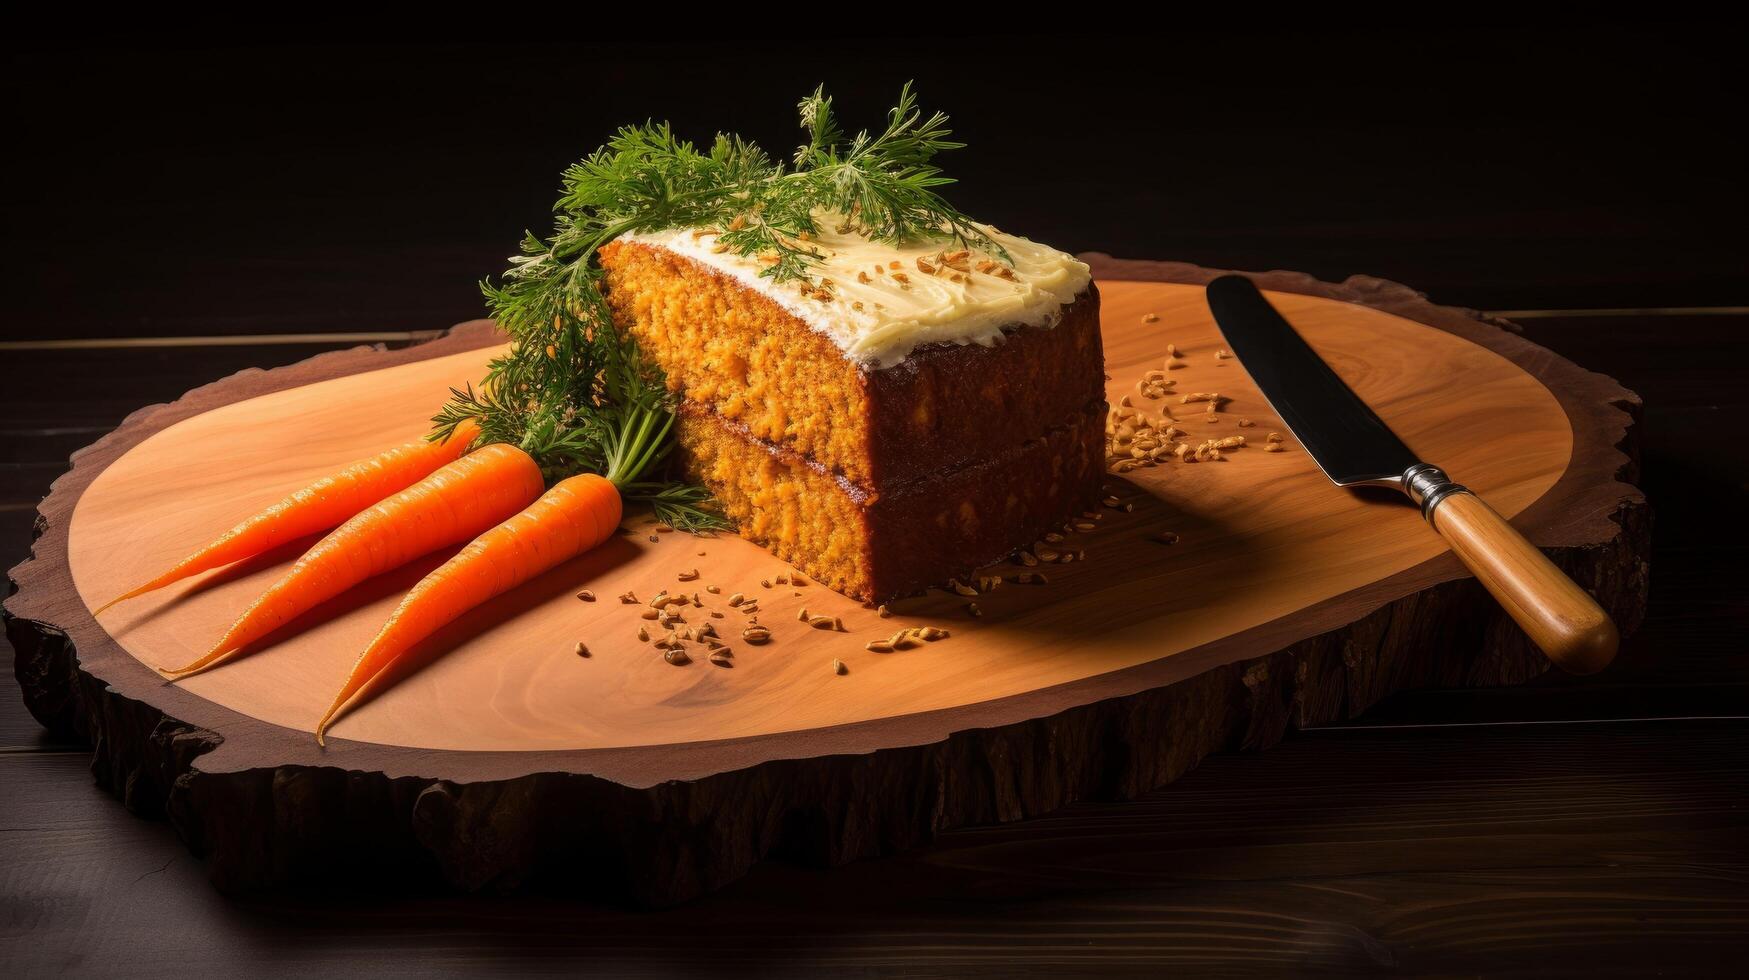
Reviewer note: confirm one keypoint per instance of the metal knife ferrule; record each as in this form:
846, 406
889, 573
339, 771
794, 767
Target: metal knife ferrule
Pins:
1427, 485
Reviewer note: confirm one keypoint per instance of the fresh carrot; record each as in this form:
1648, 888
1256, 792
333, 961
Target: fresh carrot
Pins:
321, 506
451, 505
571, 518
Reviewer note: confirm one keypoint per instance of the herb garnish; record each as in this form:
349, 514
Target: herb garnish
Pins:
573, 391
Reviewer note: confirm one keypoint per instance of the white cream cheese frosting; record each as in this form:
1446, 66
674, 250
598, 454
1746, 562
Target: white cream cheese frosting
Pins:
879, 302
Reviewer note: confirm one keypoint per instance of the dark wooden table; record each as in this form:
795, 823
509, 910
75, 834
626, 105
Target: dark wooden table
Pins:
1595, 826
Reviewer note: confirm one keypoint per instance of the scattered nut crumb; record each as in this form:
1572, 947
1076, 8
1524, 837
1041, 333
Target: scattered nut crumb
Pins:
839, 668
582, 649
586, 596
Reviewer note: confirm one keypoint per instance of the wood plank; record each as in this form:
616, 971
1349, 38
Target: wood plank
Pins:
1257, 524
1195, 701
1684, 661
1598, 850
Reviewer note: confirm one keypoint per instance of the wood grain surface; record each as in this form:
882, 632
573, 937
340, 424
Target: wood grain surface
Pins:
1261, 536
828, 800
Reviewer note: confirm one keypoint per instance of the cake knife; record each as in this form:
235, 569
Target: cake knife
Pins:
1355, 448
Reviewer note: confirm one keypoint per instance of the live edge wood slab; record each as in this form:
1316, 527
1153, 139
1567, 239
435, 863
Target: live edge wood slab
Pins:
504, 758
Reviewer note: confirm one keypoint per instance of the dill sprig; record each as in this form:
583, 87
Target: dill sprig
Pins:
573, 391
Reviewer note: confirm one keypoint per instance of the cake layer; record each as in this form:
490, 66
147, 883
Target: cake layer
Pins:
877, 544
879, 301
756, 363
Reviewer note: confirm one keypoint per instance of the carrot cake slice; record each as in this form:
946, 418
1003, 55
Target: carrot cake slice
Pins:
905, 415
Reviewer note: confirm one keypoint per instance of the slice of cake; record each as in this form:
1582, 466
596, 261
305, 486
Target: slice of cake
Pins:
906, 415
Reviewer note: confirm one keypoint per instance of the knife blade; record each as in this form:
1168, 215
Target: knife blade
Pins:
1354, 447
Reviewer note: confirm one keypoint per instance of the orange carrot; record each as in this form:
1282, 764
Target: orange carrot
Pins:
321, 506
451, 505
571, 518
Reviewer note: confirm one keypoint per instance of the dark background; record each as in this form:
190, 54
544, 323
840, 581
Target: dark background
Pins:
179, 188
158, 187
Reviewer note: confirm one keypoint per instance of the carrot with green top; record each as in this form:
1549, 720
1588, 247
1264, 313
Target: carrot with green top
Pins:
321, 506
573, 517
448, 507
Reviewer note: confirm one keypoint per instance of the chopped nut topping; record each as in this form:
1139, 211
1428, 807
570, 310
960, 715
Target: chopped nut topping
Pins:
582, 649
839, 668
689, 576
586, 596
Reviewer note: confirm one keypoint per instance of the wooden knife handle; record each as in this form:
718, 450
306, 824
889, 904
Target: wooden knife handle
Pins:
1558, 615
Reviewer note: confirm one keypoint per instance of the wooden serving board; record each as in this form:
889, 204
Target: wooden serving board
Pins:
500, 751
